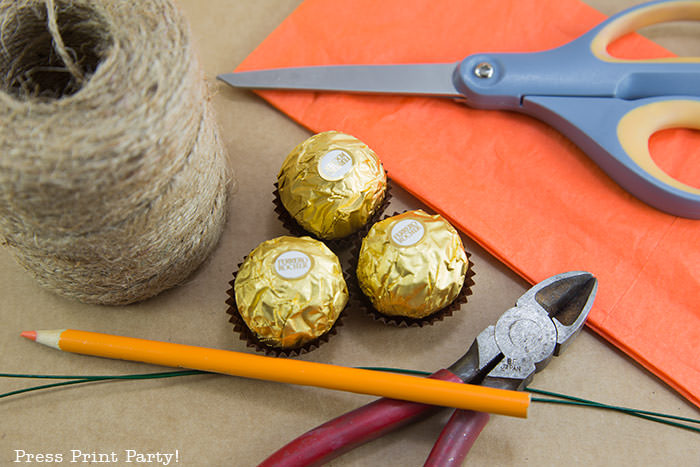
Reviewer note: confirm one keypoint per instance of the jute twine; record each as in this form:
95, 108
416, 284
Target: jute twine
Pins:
113, 179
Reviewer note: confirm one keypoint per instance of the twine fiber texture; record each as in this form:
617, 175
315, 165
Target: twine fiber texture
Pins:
113, 178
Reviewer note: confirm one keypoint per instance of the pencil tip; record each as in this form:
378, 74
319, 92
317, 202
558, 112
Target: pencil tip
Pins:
31, 335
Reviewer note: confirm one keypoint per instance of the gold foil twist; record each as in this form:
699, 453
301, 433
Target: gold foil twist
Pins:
290, 291
331, 184
412, 264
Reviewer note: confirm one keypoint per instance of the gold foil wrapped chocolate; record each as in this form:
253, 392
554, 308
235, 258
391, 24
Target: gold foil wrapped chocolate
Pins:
332, 184
411, 265
290, 291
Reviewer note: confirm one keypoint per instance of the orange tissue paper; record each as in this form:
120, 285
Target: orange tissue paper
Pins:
513, 184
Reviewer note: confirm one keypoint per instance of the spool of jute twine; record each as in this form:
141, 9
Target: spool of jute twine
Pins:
113, 179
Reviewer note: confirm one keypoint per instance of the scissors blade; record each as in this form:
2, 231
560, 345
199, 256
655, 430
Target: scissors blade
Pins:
419, 79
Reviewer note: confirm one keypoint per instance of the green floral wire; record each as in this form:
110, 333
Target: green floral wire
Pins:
86, 379
645, 414
562, 398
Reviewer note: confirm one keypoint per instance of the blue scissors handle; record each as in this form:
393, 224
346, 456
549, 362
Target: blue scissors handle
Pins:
608, 106
615, 133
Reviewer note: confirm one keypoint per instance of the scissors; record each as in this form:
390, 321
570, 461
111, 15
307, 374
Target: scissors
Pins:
607, 106
543, 323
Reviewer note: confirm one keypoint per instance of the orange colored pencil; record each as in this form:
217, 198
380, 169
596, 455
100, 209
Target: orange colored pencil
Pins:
378, 383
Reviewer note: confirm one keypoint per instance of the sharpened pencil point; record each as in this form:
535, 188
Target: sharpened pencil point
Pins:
31, 335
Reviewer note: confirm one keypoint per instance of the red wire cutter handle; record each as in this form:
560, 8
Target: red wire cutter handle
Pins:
457, 438
340, 435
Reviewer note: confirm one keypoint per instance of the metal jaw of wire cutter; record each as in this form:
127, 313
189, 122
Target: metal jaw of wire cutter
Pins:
526, 337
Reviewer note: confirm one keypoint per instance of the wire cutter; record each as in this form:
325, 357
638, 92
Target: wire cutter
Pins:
506, 355
608, 106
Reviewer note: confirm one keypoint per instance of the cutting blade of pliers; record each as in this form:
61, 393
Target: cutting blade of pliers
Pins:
523, 341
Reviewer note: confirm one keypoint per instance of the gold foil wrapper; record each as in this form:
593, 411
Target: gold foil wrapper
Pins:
332, 184
289, 291
412, 264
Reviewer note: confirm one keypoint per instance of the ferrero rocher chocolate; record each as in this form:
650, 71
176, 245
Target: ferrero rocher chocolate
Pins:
290, 291
331, 184
412, 265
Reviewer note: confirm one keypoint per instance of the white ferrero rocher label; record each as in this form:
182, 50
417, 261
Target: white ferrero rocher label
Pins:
293, 264
334, 165
407, 232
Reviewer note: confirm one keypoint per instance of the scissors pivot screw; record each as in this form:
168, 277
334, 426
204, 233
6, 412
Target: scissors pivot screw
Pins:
483, 70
